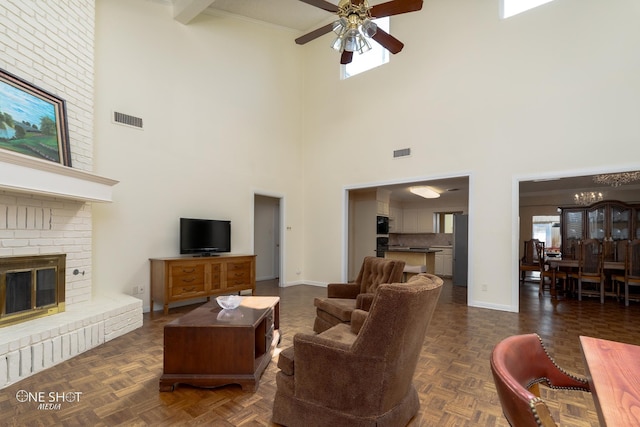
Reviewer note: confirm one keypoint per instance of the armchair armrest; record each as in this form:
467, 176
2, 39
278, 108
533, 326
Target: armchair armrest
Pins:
364, 301
343, 290
357, 320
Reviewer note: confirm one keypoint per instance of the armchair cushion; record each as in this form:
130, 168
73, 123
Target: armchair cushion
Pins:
339, 308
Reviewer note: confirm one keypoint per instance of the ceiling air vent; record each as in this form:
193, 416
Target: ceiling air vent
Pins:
404, 152
127, 120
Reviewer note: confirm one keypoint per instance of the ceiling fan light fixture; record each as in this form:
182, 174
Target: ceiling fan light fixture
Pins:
424, 191
340, 26
351, 43
338, 44
369, 28
365, 46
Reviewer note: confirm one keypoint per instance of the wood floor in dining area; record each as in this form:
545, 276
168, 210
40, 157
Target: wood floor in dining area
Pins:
117, 383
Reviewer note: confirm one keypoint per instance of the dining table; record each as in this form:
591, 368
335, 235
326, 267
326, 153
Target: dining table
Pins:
614, 379
573, 263
556, 264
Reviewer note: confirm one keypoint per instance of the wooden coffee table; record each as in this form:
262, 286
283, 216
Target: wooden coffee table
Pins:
211, 347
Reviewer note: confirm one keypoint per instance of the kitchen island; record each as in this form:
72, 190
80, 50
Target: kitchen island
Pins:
414, 256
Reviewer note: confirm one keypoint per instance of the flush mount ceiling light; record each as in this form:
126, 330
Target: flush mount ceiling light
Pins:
424, 191
617, 179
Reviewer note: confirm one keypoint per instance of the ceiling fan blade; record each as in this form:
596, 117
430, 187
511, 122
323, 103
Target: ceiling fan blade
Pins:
346, 57
395, 7
389, 42
322, 4
315, 34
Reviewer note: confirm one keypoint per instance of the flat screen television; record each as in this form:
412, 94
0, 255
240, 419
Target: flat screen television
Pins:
204, 236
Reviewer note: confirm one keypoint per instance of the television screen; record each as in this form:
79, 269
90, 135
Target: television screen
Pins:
204, 236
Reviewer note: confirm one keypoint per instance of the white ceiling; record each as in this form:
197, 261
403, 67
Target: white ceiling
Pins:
292, 14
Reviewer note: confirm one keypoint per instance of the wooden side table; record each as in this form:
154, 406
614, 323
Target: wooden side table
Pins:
211, 347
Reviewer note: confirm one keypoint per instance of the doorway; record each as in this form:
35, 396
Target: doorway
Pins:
266, 237
413, 220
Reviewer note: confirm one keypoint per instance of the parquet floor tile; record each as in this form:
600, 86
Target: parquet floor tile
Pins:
118, 381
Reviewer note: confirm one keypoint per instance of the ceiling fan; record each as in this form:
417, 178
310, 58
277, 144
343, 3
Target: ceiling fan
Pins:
355, 25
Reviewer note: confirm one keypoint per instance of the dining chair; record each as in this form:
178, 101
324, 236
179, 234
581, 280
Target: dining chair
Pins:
553, 274
519, 364
529, 260
590, 267
631, 276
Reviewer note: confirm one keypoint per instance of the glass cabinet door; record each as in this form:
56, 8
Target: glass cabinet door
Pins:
620, 222
572, 232
596, 223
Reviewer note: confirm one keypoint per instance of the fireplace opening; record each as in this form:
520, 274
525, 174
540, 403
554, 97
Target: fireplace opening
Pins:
30, 287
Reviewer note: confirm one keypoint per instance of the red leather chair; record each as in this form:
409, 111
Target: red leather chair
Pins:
519, 364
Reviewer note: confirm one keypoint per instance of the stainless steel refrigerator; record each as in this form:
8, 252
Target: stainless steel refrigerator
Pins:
460, 249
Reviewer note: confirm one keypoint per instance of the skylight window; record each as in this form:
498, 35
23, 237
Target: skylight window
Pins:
368, 60
514, 7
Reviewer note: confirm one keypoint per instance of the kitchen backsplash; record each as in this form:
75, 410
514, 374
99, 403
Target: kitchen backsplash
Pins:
421, 240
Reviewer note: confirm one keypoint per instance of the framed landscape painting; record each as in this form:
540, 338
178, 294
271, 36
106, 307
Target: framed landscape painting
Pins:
32, 121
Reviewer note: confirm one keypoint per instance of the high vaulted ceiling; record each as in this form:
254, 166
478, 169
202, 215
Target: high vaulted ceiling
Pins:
292, 14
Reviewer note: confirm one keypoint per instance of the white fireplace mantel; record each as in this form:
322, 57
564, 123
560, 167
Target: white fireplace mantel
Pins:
34, 176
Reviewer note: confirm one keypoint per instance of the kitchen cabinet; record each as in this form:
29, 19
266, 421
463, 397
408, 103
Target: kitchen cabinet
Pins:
382, 208
395, 220
444, 261
607, 221
410, 220
425, 221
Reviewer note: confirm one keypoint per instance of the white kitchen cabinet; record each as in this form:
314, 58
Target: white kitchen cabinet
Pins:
444, 261
410, 220
395, 220
425, 221
382, 208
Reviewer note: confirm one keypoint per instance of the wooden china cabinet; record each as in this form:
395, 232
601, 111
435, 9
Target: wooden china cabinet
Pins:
608, 221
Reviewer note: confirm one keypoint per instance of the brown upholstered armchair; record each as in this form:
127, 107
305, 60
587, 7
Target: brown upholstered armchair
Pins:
519, 364
359, 374
343, 298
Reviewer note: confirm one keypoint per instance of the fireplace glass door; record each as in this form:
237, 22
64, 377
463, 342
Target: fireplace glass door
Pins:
31, 287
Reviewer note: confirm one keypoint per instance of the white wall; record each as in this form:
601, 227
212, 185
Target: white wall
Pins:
548, 92
232, 106
220, 102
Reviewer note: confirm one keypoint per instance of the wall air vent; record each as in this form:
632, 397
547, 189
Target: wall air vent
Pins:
404, 152
127, 120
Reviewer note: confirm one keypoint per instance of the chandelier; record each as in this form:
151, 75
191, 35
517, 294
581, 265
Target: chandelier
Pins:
617, 179
587, 198
354, 27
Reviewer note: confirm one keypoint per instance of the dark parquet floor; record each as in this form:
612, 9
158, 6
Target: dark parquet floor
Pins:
117, 383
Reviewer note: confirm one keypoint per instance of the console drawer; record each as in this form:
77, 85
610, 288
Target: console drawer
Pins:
238, 273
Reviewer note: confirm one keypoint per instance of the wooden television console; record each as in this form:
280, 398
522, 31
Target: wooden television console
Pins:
189, 277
